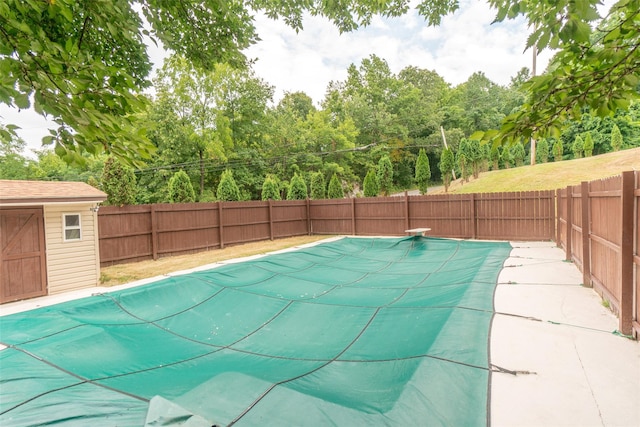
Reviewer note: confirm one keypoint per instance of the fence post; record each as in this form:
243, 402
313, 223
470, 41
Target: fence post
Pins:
569, 221
586, 231
626, 253
154, 233
270, 220
552, 214
474, 216
220, 227
308, 218
558, 200
406, 210
353, 216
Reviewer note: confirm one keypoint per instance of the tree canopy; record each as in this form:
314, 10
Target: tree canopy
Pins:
85, 64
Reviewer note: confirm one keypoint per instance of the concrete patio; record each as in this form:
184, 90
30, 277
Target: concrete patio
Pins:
579, 372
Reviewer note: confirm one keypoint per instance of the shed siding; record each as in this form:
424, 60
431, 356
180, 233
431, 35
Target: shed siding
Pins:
71, 265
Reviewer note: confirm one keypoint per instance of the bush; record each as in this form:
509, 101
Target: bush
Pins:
335, 188
384, 176
271, 188
577, 147
423, 171
119, 182
227, 188
518, 153
558, 150
317, 186
180, 188
447, 162
297, 188
616, 138
542, 151
588, 145
370, 184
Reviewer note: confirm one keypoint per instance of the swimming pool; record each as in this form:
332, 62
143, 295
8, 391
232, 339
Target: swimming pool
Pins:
358, 331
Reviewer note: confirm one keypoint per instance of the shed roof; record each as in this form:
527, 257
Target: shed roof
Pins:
16, 192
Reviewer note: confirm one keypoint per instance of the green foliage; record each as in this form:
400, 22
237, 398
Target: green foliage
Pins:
85, 64
318, 186
494, 156
423, 171
507, 157
464, 165
578, 147
271, 188
181, 189
335, 188
596, 64
518, 153
542, 151
616, 138
384, 175
227, 188
297, 188
13, 165
447, 163
558, 150
588, 145
370, 184
119, 182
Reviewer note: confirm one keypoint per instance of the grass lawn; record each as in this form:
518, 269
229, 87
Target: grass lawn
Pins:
125, 273
552, 175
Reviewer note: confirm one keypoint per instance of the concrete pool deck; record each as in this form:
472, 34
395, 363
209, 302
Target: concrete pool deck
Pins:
571, 370
548, 324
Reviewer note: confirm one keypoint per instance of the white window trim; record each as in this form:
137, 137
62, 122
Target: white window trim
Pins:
65, 228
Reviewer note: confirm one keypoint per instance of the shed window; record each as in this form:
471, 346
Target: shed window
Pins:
71, 227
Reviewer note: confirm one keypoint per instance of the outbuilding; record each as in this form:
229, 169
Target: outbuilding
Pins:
48, 238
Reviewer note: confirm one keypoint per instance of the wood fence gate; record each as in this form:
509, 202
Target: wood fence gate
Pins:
23, 272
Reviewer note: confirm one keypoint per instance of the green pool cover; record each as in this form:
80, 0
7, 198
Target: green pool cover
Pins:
358, 331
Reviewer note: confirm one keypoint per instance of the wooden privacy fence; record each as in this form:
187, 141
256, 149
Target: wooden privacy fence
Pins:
597, 226
134, 233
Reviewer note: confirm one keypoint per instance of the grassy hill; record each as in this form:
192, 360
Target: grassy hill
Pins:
549, 176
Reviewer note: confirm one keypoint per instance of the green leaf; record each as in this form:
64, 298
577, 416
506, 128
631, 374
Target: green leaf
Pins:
477, 135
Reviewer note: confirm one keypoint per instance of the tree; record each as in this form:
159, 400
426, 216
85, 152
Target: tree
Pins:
180, 188
370, 184
495, 157
119, 182
596, 63
447, 162
271, 188
84, 64
227, 188
558, 150
297, 188
616, 138
318, 190
384, 175
588, 145
423, 171
542, 151
518, 153
190, 101
13, 165
507, 157
577, 147
463, 160
335, 188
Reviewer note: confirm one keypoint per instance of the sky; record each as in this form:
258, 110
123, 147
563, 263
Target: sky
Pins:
307, 61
